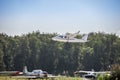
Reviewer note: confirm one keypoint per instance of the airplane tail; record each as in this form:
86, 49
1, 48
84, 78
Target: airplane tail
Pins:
75, 34
25, 70
78, 32
85, 37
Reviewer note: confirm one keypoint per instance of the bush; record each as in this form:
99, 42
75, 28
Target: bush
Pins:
115, 72
103, 77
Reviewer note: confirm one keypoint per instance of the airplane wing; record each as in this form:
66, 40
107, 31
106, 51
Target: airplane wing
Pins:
99, 72
67, 40
102, 72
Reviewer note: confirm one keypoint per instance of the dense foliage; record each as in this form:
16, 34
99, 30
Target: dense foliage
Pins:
114, 75
115, 72
37, 50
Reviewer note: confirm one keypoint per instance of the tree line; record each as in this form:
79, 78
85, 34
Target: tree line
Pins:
38, 51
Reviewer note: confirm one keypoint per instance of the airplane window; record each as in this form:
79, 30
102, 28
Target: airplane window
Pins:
61, 36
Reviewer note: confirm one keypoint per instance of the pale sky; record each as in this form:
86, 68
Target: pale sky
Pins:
22, 16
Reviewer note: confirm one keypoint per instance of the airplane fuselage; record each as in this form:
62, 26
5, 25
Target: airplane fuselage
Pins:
67, 39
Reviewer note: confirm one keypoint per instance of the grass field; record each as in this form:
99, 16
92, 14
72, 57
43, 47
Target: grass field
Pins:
58, 78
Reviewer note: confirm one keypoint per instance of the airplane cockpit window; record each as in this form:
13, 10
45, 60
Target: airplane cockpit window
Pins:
61, 36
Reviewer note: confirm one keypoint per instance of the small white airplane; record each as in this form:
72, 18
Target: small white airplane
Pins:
70, 38
91, 74
37, 73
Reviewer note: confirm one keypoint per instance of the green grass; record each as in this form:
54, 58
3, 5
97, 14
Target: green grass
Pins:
57, 78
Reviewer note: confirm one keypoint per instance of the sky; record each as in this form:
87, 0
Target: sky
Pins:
59, 16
